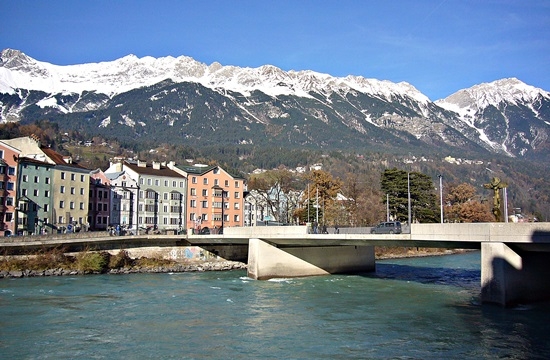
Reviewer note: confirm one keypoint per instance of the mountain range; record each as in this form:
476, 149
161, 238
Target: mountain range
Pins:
180, 100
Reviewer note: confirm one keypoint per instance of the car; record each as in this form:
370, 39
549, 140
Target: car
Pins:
204, 231
387, 227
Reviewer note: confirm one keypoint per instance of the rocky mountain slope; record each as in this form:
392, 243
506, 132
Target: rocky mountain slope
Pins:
180, 100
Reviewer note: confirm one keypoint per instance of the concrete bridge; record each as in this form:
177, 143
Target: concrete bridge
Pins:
515, 257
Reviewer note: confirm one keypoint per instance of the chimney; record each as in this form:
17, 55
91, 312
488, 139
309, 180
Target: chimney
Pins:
35, 138
116, 165
141, 163
156, 165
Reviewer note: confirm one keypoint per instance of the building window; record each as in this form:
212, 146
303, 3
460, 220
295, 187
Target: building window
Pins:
46, 207
165, 183
72, 177
61, 204
193, 203
10, 185
60, 220
25, 178
193, 192
24, 192
174, 183
71, 205
194, 180
9, 217
81, 178
73, 191
204, 204
181, 184
216, 182
62, 189
236, 184
35, 192
205, 181
81, 206
149, 181
47, 180
237, 194
175, 196
157, 182
62, 175
236, 218
226, 183
36, 179
11, 170
9, 201
204, 192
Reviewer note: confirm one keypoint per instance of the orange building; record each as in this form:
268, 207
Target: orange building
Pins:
215, 198
8, 189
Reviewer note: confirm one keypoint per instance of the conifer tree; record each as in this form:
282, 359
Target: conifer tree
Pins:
396, 183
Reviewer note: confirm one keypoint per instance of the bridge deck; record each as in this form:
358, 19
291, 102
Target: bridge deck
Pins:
535, 236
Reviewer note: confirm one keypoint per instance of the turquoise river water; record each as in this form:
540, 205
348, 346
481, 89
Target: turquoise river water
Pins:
422, 308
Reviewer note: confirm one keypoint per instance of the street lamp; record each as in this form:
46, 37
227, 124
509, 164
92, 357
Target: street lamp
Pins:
441, 195
387, 207
409, 195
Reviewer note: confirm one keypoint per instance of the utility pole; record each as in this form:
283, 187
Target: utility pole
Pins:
409, 196
387, 207
317, 205
441, 195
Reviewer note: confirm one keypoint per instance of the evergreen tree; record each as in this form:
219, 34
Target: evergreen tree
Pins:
396, 184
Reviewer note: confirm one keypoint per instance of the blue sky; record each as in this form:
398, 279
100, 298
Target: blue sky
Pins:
437, 46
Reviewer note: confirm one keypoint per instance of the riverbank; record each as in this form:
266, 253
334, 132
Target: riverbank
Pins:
57, 263
221, 265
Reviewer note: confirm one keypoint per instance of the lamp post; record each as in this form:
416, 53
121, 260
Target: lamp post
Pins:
441, 196
409, 196
387, 207
317, 206
505, 193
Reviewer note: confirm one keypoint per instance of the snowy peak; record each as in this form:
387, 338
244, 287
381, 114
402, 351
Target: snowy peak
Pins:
19, 71
14, 59
511, 91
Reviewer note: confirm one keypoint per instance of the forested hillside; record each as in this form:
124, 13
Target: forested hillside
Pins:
360, 172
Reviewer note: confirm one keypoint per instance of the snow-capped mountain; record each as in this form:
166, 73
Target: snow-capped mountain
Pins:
181, 99
19, 71
508, 114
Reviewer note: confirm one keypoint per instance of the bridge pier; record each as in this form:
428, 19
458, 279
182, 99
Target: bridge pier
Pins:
266, 261
510, 276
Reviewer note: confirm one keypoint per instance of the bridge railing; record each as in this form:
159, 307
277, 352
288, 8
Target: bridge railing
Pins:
53, 237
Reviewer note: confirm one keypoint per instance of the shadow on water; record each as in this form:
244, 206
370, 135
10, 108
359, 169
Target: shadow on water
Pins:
466, 278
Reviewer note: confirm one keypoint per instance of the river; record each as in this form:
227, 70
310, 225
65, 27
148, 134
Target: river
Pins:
421, 308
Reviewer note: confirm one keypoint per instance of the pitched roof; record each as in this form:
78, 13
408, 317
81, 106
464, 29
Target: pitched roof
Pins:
149, 170
59, 159
197, 169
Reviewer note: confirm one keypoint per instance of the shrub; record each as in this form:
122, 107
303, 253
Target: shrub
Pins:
92, 261
122, 259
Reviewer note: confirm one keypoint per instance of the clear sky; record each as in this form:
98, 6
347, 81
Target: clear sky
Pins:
438, 46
